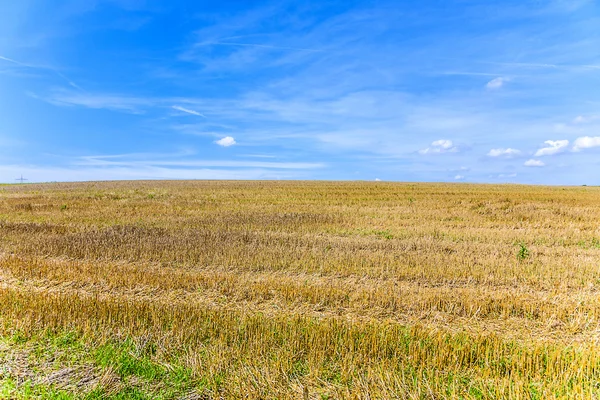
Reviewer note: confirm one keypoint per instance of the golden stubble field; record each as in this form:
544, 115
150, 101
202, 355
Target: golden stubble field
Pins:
275, 290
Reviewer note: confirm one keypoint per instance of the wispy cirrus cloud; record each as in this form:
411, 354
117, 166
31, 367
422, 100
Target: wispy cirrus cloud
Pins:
154, 160
188, 111
264, 46
114, 102
10, 60
53, 70
533, 65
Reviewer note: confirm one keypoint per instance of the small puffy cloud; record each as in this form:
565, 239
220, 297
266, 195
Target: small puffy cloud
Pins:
504, 152
440, 146
586, 142
459, 177
507, 175
226, 141
377, 180
554, 147
534, 163
496, 83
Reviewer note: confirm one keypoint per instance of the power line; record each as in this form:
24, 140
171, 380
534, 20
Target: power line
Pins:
21, 179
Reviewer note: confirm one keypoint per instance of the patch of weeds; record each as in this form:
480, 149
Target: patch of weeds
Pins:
331, 373
67, 339
63, 348
523, 252
299, 368
218, 381
126, 363
534, 391
129, 393
454, 219
180, 375
384, 234
29, 390
7, 388
136, 375
131, 362
19, 337
126, 393
475, 392
592, 244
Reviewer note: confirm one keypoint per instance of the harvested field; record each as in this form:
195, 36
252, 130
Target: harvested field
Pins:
275, 290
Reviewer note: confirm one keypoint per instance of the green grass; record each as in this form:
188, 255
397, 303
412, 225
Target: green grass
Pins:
137, 373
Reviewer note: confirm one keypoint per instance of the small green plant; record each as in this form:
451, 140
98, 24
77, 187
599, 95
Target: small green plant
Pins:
523, 252
384, 234
63, 207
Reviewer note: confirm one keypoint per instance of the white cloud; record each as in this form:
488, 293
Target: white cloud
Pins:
496, 83
534, 163
440, 146
157, 161
226, 141
507, 175
554, 147
128, 104
586, 142
573, 128
508, 152
187, 110
10, 60
377, 180
445, 144
584, 119
459, 177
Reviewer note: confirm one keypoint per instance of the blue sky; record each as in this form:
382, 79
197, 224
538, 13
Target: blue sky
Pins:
469, 91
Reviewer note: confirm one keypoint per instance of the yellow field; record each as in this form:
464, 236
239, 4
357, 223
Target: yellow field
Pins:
263, 290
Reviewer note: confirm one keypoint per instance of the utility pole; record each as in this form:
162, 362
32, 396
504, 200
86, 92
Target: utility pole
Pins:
21, 179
